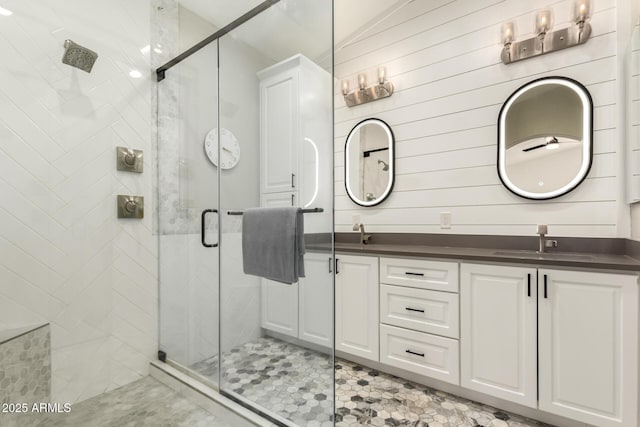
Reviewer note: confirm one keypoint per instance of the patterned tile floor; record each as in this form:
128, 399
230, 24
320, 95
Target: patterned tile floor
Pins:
145, 402
291, 381
295, 383
367, 397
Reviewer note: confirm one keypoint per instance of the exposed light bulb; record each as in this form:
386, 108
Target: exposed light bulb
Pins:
382, 74
362, 81
543, 22
345, 87
508, 33
581, 11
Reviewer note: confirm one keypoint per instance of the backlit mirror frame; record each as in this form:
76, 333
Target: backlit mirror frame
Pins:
392, 166
587, 132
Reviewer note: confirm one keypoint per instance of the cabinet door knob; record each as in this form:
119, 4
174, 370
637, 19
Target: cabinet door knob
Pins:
413, 274
545, 285
414, 353
414, 309
529, 284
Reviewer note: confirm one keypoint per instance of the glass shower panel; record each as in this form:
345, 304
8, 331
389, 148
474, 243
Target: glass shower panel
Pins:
187, 188
276, 101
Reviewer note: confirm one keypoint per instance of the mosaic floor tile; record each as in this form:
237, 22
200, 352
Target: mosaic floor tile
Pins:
295, 383
365, 396
291, 381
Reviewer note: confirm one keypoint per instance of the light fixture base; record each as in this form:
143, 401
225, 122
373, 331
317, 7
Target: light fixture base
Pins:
551, 42
372, 93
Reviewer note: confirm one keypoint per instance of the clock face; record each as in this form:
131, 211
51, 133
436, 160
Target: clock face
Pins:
229, 149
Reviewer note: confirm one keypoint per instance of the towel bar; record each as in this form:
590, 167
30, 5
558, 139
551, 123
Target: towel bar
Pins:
314, 210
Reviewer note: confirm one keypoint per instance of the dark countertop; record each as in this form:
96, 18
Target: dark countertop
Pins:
556, 259
586, 253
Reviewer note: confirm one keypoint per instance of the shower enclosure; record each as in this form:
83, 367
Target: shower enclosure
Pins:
244, 121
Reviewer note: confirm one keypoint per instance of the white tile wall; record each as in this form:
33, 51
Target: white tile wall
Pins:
64, 257
443, 58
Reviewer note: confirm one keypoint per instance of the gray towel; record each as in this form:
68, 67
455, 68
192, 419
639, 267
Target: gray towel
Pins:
273, 243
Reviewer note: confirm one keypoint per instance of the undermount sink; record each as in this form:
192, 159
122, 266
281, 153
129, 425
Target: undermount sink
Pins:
547, 255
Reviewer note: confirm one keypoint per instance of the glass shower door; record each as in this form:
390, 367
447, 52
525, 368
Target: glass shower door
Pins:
187, 221
276, 339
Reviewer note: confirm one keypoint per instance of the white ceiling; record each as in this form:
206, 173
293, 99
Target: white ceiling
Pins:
296, 26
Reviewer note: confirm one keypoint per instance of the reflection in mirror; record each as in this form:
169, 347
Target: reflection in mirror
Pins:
545, 138
369, 166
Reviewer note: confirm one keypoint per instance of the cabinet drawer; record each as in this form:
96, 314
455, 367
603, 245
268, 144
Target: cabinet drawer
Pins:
426, 311
424, 354
418, 273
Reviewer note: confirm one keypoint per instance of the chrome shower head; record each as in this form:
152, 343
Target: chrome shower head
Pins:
385, 165
78, 56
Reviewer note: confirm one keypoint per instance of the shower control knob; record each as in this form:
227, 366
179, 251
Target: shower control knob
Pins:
130, 158
130, 206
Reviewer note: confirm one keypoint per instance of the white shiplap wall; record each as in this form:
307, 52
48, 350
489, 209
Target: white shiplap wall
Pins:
443, 58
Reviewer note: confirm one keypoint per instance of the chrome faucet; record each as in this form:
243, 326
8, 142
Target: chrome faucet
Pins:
364, 238
543, 242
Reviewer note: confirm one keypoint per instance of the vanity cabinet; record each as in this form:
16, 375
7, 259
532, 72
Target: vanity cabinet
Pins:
587, 346
315, 299
301, 310
419, 317
296, 148
498, 354
356, 305
582, 326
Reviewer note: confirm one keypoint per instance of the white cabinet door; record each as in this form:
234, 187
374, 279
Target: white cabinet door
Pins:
280, 307
316, 300
357, 306
498, 331
278, 200
279, 131
588, 340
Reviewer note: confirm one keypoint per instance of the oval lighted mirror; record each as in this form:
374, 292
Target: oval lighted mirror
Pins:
545, 138
368, 159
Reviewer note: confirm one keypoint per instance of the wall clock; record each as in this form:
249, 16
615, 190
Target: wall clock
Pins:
229, 149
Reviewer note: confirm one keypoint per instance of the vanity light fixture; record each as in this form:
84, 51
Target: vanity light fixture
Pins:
364, 94
546, 40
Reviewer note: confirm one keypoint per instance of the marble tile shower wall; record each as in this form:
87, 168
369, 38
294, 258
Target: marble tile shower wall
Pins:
64, 257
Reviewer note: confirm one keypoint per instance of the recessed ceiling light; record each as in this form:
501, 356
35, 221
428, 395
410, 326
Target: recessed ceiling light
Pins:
135, 74
5, 12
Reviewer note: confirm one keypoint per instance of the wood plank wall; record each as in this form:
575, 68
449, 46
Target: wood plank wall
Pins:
443, 58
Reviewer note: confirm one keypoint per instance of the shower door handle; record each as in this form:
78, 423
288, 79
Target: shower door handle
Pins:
202, 228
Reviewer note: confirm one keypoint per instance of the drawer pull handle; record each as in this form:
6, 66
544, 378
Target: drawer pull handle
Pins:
414, 353
413, 274
414, 309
